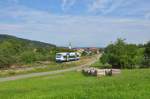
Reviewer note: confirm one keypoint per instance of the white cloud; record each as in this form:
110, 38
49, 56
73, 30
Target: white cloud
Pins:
66, 4
80, 30
105, 7
97, 5
83, 30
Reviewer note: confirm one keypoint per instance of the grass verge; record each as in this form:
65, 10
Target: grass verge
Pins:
130, 84
33, 68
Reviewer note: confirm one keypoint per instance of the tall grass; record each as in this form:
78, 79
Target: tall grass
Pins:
130, 84
32, 68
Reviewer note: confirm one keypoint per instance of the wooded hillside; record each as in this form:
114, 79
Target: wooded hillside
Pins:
14, 50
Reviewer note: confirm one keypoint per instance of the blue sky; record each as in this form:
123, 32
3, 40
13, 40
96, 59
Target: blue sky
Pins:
82, 22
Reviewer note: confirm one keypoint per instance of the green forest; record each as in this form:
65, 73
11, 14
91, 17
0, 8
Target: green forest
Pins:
20, 51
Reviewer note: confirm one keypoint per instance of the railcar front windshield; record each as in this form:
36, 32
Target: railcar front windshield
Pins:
58, 55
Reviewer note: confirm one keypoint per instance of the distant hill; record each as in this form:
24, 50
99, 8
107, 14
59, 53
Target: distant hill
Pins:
4, 37
17, 51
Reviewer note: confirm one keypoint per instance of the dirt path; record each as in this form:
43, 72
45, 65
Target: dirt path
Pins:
47, 73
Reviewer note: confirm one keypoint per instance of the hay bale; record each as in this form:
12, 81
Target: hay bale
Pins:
108, 72
100, 72
89, 71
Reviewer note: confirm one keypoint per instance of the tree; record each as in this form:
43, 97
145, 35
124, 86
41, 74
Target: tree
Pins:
122, 55
146, 62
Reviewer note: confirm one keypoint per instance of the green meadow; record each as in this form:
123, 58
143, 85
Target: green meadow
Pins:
130, 84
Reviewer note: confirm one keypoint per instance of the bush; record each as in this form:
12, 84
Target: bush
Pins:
6, 61
99, 64
11, 72
40, 57
145, 63
106, 66
122, 55
28, 57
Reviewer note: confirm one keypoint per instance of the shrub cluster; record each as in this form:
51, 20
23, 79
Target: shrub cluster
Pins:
123, 55
14, 51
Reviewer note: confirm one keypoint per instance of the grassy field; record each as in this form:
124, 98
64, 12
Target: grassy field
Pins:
31, 68
130, 84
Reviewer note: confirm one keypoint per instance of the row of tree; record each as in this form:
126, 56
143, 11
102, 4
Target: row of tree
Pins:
123, 55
